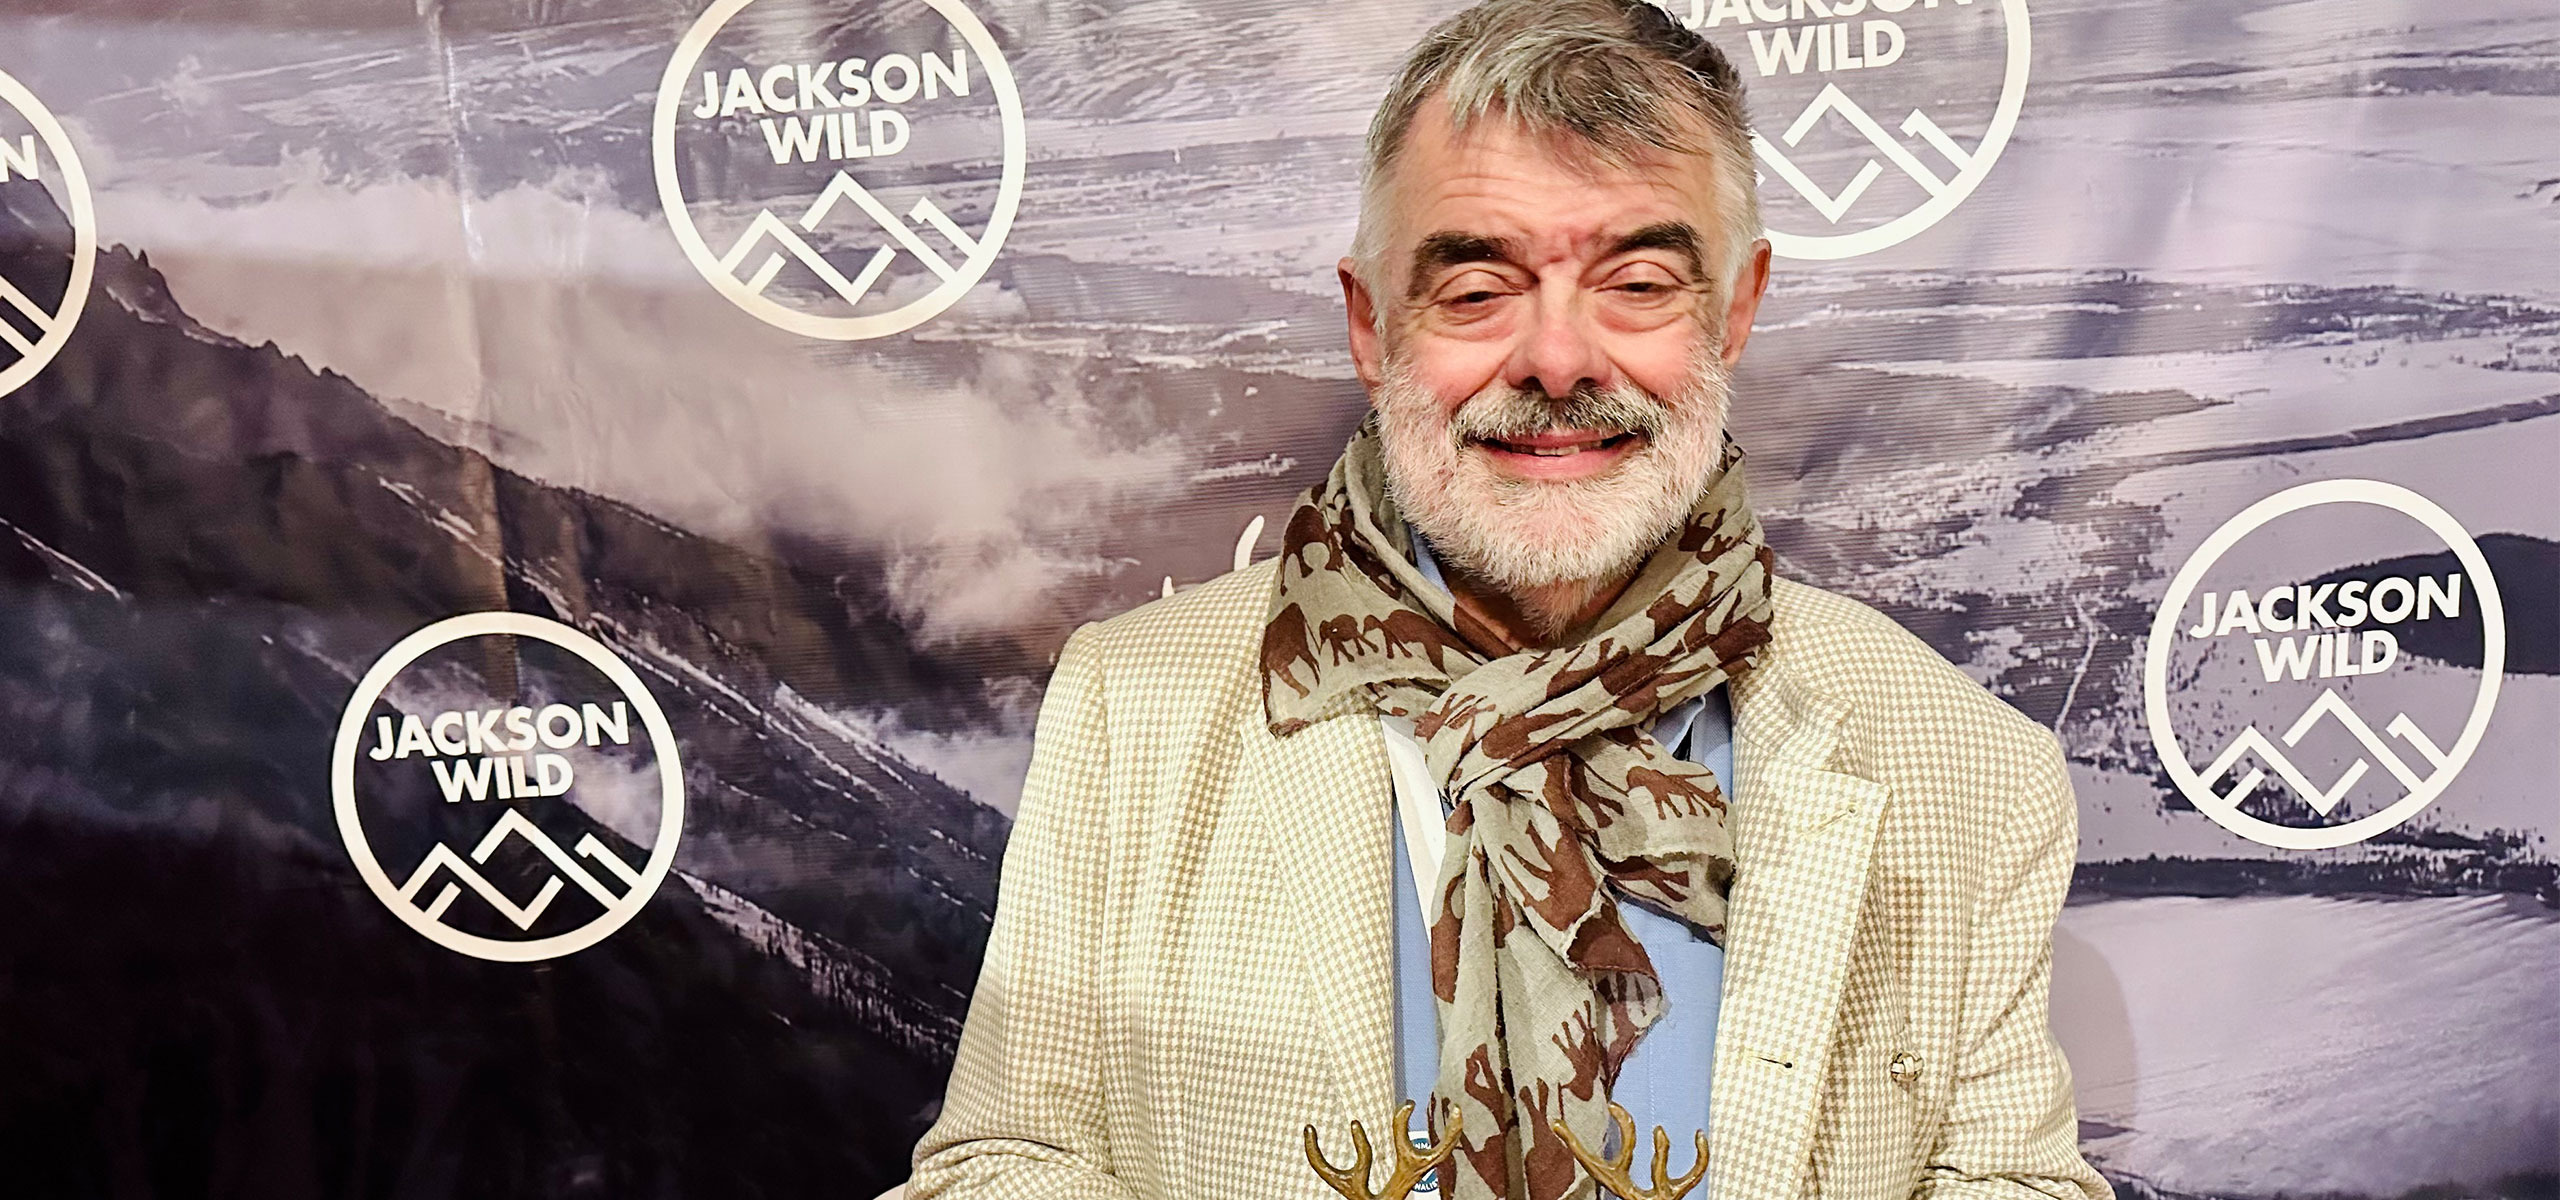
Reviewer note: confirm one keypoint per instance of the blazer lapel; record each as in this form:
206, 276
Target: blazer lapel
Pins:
1325, 794
1804, 835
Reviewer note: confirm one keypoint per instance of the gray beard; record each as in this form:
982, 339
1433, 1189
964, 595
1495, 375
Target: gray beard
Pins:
1521, 535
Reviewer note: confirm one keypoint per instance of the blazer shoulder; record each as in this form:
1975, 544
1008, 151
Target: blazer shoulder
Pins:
1215, 626
1899, 693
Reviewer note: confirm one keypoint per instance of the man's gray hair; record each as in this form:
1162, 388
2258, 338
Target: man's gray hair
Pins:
1618, 75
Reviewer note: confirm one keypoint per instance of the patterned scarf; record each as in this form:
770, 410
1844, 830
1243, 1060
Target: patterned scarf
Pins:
1564, 801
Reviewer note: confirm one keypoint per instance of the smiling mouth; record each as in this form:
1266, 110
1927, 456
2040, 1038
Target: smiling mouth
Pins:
1561, 444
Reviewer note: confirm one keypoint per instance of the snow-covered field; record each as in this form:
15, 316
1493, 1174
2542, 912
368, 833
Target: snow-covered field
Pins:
2313, 1046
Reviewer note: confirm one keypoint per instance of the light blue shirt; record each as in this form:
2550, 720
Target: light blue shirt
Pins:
1665, 1081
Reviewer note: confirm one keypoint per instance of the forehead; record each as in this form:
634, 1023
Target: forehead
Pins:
1544, 191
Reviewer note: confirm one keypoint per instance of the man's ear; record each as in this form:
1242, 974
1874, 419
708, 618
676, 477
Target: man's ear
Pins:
1362, 311
1749, 284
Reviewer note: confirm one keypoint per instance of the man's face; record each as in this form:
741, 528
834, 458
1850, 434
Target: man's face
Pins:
1550, 370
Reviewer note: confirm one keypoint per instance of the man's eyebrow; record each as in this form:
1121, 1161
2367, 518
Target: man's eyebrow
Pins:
1449, 248
1677, 236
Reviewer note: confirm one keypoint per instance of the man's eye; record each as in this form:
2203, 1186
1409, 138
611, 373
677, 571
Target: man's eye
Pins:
1471, 302
1644, 287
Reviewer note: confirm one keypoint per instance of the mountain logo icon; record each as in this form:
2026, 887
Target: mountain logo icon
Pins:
513, 766
512, 824
38, 310
841, 180
788, 242
2253, 744
1832, 100
2305, 656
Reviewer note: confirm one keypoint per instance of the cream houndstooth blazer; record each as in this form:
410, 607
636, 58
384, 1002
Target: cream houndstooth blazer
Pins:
1192, 955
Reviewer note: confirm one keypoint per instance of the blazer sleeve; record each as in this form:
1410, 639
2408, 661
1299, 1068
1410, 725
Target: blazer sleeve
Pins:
2011, 1131
1023, 1118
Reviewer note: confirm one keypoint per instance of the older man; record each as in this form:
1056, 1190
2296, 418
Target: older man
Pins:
1516, 780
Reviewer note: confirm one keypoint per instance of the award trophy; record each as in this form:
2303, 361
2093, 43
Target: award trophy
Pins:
1612, 1174
1412, 1162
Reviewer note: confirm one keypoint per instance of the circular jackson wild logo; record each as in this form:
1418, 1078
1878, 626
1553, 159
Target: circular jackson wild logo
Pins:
2304, 702
1886, 113
507, 787
48, 236
839, 170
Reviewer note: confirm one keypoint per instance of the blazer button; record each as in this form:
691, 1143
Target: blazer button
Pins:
1905, 1068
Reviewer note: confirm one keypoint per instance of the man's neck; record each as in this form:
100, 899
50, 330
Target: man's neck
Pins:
1540, 617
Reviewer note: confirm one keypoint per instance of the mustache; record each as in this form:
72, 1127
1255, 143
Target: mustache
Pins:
1505, 412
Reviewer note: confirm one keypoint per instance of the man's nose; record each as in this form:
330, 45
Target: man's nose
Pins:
1556, 352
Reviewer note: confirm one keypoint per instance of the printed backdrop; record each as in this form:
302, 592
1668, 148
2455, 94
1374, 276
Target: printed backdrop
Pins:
532, 533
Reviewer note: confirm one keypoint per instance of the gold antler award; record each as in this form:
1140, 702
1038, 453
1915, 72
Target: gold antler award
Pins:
1612, 1173
1411, 1164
